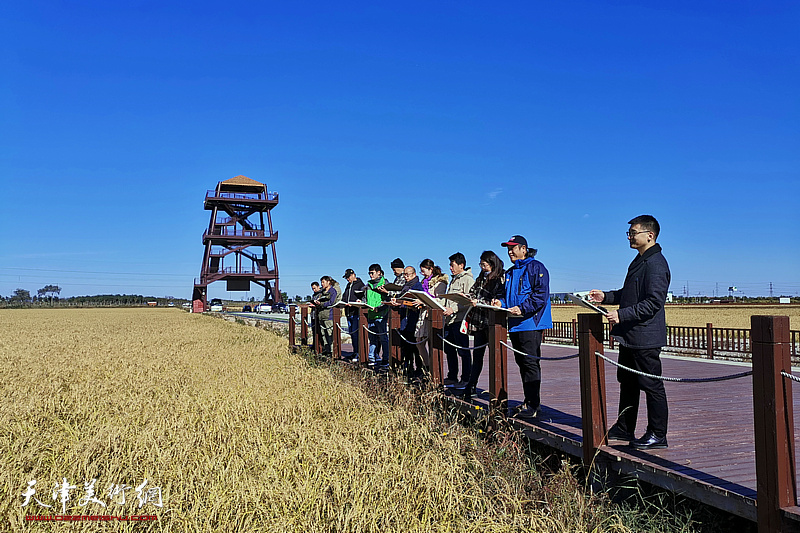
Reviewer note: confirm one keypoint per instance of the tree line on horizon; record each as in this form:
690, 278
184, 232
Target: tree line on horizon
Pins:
49, 296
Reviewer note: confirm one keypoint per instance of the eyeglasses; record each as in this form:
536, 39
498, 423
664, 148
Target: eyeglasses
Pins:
372, 272
631, 234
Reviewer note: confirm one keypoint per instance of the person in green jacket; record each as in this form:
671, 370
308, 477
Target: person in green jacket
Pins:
378, 356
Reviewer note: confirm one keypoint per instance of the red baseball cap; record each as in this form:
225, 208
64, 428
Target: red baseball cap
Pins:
515, 240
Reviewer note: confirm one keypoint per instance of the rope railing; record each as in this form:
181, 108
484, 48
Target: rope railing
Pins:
374, 332
424, 339
790, 376
463, 347
675, 380
573, 356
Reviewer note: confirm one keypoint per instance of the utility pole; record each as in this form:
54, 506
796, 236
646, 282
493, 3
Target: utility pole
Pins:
770, 289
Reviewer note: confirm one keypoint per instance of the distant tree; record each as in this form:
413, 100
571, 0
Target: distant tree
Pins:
284, 296
308, 297
298, 298
21, 296
48, 291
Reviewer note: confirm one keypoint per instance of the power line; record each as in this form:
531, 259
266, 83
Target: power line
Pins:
93, 272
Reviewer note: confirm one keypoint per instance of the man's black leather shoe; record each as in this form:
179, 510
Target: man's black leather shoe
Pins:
649, 441
615, 433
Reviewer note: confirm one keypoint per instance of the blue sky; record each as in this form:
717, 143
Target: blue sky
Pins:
415, 130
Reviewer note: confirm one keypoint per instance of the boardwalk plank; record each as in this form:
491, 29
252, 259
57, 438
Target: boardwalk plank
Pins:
712, 448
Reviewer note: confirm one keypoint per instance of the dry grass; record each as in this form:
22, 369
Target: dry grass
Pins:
238, 434
722, 316
242, 436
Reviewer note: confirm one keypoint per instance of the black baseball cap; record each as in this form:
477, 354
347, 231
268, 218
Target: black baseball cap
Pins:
515, 240
349, 272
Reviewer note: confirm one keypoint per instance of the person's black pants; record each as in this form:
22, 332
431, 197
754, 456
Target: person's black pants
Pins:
630, 386
452, 333
409, 351
480, 338
530, 343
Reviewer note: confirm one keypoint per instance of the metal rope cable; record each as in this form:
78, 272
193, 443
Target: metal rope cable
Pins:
424, 339
573, 356
676, 380
790, 376
462, 347
374, 332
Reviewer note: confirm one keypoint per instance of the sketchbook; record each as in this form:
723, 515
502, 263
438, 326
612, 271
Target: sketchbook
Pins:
392, 287
425, 298
465, 300
586, 303
353, 304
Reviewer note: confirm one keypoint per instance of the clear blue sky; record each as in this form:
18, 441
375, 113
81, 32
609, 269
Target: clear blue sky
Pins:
413, 129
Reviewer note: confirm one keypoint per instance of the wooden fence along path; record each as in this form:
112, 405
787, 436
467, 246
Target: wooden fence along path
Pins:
711, 342
731, 442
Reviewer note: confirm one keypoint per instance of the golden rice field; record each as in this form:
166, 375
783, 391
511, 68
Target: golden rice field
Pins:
722, 316
235, 433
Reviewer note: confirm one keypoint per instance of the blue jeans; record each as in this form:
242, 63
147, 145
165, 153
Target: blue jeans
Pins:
378, 341
453, 334
352, 329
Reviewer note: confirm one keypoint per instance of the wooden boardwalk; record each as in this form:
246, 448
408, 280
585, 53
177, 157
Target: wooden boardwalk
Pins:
711, 454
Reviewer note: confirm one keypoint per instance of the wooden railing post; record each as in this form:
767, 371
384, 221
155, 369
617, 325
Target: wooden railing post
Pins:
292, 326
363, 336
317, 334
395, 344
773, 420
304, 324
336, 349
710, 340
593, 384
436, 345
498, 365
574, 332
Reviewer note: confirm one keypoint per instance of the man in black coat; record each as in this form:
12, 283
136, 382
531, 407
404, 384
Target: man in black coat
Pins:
353, 292
408, 324
640, 327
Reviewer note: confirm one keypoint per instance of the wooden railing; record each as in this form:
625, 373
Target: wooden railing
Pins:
697, 340
270, 196
769, 339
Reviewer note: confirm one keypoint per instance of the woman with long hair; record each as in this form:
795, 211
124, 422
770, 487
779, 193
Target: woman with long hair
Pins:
434, 283
330, 296
489, 286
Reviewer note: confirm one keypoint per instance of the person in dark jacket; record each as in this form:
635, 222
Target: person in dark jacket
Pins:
326, 301
409, 315
641, 329
527, 299
313, 318
353, 292
488, 287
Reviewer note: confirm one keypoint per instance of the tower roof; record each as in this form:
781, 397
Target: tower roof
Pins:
241, 183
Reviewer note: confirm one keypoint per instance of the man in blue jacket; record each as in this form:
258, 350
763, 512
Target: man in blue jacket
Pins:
641, 329
528, 301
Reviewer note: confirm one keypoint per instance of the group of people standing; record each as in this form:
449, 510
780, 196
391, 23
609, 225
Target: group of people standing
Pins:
523, 292
523, 289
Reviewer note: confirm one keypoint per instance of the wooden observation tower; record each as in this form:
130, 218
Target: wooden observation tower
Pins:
239, 245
